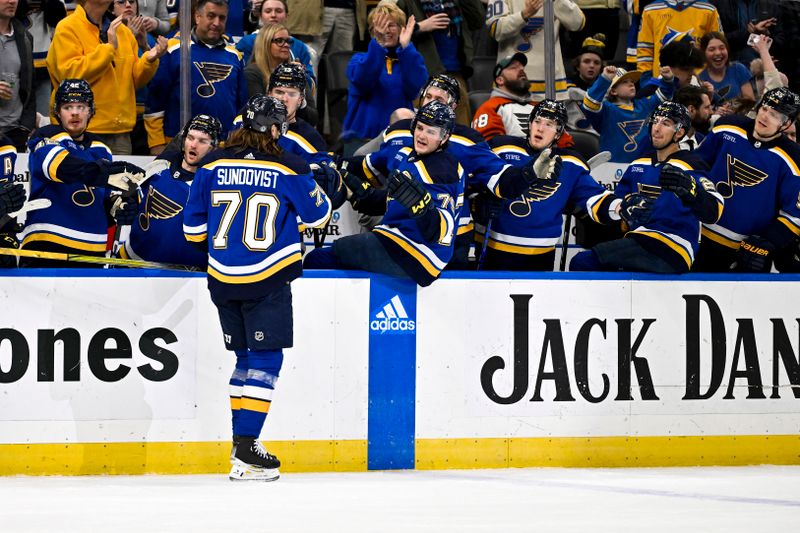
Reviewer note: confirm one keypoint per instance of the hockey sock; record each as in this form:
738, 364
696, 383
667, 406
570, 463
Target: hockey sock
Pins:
235, 386
262, 373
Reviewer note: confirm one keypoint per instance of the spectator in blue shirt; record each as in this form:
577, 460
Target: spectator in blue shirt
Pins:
729, 79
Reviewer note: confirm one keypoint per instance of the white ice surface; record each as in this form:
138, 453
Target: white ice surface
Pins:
752, 499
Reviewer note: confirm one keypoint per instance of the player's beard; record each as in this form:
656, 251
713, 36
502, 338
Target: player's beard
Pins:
518, 87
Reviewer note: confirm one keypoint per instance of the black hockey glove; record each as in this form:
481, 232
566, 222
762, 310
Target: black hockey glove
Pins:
8, 241
675, 180
545, 168
12, 198
485, 207
636, 209
123, 177
410, 193
328, 178
124, 211
754, 255
358, 188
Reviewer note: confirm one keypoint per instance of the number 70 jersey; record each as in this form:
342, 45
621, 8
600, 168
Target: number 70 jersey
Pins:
247, 206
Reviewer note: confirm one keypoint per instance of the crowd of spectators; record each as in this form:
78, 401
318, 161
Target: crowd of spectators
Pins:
715, 57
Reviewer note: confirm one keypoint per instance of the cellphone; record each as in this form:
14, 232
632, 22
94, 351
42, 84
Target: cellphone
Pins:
756, 37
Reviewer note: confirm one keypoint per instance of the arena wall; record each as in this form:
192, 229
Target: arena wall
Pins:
115, 371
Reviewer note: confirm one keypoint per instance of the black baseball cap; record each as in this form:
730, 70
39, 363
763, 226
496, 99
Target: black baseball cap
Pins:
506, 61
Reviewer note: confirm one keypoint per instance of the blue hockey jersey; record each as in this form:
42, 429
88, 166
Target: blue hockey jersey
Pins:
673, 231
622, 128
218, 89
247, 205
77, 218
302, 140
400, 234
531, 223
760, 181
157, 233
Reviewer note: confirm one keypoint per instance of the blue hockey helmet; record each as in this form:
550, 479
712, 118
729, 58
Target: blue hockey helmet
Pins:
292, 75
73, 90
436, 114
552, 110
446, 83
205, 123
674, 111
782, 100
261, 112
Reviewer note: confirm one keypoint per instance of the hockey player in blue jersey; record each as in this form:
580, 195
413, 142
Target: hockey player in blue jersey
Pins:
157, 233
662, 200
757, 170
244, 205
525, 230
12, 198
73, 169
484, 170
424, 187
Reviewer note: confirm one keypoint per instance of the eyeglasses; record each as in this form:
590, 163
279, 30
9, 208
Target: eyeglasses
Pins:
281, 41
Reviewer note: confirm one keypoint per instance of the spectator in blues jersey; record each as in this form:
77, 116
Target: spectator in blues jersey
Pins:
218, 85
157, 233
618, 116
389, 75
71, 167
662, 199
425, 185
524, 230
275, 12
729, 79
272, 49
12, 198
755, 167
248, 228
17, 101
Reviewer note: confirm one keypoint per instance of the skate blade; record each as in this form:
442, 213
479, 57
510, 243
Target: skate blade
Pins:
244, 472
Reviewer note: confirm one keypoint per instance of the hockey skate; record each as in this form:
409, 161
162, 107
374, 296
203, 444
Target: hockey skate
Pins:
251, 462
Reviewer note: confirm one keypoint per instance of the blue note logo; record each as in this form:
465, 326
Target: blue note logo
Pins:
392, 318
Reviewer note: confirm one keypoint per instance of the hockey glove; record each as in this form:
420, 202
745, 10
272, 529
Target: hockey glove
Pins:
359, 189
546, 167
485, 207
124, 211
754, 255
124, 177
636, 209
8, 241
679, 182
410, 193
328, 178
12, 198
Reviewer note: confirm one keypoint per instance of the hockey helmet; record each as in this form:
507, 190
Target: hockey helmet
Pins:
436, 114
446, 83
205, 123
674, 111
73, 90
292, 75
782, 100
261, 112
552, 110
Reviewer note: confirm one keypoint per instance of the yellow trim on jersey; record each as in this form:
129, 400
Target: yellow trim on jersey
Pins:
509, 148
792, 227
200, 237
575, 161
719, 239
249, 163
539, 86
52, 168
396, 133
669, 242
514, 249
423, 172
466, 228
462, 140
787, 159
429, 267
254, 404
63, 241
730, 128
260, 276
299, 139
236, 403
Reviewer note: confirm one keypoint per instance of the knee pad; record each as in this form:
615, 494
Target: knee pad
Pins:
320, 258
586, 261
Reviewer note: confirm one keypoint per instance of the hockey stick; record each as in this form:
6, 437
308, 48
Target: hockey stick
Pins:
485, 243
77, 258
565, 242
599, 159
33, 205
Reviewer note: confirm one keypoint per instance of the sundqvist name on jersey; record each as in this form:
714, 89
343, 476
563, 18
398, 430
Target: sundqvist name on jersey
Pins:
254, 177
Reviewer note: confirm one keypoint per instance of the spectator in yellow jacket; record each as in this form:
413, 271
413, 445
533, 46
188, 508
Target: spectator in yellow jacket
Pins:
90, 45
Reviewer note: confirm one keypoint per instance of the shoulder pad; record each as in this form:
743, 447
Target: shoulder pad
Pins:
503, 140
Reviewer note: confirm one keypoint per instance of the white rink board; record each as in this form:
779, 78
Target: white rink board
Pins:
462, 323
321, 394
